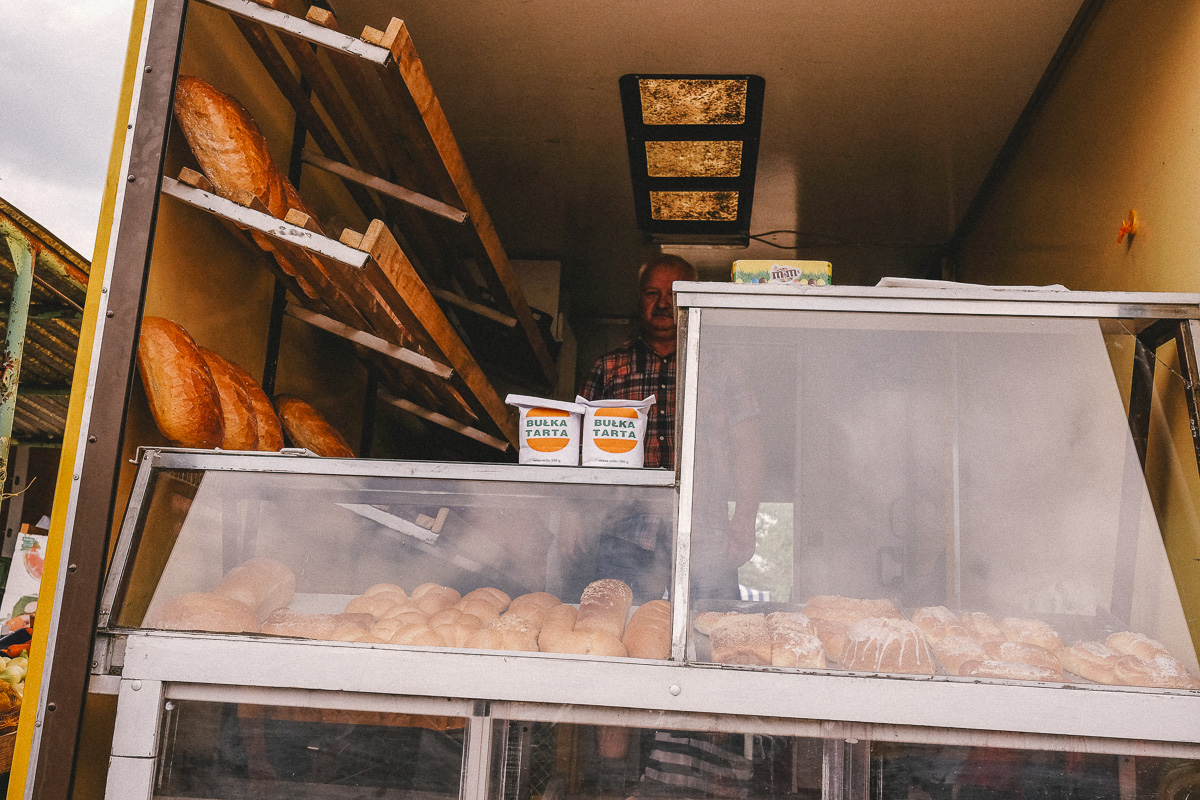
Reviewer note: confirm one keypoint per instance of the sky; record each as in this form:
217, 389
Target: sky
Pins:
61, 64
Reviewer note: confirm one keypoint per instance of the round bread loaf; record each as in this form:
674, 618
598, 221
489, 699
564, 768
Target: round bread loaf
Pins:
384, 587
489, 595
308, 429
436, 599
266, 421
202, 611
741, 639
418, 635
480, 608
230, 148
241, 425
184, 399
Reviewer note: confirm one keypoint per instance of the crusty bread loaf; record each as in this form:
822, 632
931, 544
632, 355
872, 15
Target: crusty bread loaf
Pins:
308, 429
832, 636
1031, 631
849, 610
201, 611
885, 644
267, 424
937, 622
1024, 653
241, 424
557, 629
184, 398
263, 584
230, 148
648, 634
705, 620
981, 627
510, 632
794, 641
1162, 672
285, 622
1091, 660
1135, 644
955, 650
741, 639
604, 607
1008, 670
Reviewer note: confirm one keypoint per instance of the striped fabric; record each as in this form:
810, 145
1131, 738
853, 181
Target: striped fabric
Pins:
696, 765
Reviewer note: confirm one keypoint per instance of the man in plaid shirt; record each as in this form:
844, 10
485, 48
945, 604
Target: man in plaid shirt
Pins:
636, 547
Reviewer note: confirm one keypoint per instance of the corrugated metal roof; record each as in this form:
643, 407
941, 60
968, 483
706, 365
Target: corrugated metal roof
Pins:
52, 333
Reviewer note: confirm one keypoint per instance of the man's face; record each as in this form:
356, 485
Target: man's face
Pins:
658, 303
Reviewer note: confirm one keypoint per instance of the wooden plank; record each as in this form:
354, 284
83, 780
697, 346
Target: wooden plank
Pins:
433, 253
409, 85
298, 26
415, 199
474, 308
440, 520
410, 357
196, 180
264, 223
449, 424
268, 54
394, 267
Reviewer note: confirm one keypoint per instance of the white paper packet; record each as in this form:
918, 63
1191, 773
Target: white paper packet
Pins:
549, 430
614, 432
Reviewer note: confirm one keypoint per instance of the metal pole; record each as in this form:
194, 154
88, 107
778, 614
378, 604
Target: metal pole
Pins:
14, 341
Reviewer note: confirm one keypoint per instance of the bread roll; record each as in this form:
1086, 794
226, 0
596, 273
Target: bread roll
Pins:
1091, 660
557, 628
285, 622
534, 607
492, 596
406, 616
1023, 653
459, 634
794, 642
384, 587
1135, 644
648, 634
982, 628
308, 429
486, 639
604, 606
267, 424
480, 608
230, 148
937, 622
1162, 672
418, 636
237, 412
849, 610
385, 629
1031, 631
436, 599
1008, 670
741, 639
263, 584
201, 611
705, 620
955, 650
184, 399
833, 637
887, 645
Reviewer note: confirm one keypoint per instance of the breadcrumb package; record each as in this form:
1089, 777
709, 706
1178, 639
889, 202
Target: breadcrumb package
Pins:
549, 430
614, 432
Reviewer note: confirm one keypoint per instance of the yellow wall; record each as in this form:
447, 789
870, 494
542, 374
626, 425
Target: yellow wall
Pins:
1121, 131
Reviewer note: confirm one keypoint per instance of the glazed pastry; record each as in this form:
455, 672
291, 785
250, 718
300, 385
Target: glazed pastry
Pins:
887, 645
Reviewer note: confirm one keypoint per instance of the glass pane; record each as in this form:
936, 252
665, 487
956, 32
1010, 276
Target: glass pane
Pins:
566, 761
234, 750
442, 563
957, 496
694, 159
706, 101
696, 206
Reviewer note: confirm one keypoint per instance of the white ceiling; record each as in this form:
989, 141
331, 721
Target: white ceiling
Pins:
881, 116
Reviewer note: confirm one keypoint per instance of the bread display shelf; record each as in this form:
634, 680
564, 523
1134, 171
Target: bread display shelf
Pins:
372, 112
367, 291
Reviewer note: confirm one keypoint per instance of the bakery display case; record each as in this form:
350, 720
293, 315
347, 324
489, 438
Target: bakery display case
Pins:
973, 555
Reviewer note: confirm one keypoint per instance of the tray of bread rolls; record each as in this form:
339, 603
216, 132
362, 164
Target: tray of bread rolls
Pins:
259, 597
877, 636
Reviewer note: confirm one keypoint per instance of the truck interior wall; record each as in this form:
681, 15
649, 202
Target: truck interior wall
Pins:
1118, 133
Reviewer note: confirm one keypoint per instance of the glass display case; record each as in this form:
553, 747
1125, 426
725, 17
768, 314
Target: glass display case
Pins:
927, 543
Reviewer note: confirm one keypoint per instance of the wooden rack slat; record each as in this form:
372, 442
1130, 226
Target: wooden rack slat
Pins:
405, 125
410, 357
444, 421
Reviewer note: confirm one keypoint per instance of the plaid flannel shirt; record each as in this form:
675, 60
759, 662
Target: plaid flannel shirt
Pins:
633, 372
